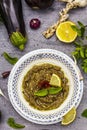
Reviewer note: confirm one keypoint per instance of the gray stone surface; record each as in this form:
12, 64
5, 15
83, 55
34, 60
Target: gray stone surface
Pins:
36, 41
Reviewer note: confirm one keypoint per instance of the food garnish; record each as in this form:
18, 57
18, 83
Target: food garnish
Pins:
71, 4
11, 60
43, 84
12, 16
11, 122
84, 113
65, 33
69, 117
55, 80
80, 52
41, 93
5, 74
54, 90
45, 92
39, 4
35, 23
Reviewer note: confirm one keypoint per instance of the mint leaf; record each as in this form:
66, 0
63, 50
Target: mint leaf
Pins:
81, 24
41, 93
11, 60
54, 90
76, 29
84, 113
11, 122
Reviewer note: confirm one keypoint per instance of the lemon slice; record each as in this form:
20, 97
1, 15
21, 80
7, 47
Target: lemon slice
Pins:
55, 80
69, 117
65, 33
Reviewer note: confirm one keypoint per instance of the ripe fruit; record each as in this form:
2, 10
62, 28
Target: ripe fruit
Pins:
35, 23
65, 33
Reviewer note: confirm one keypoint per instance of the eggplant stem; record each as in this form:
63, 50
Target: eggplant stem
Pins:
18, 40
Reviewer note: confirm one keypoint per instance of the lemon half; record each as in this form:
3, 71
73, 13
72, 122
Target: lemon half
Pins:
55, 80
65, 33
69, 117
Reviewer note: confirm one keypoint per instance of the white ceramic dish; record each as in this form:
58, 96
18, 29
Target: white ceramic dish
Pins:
38, 57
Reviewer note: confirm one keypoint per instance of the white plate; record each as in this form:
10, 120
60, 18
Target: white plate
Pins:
20, 69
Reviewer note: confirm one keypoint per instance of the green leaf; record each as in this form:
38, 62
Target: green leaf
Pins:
84, 113
11, 122
11, 60
76, 29
41, 93
86, 53
77, 44
81, 24
54, 90
82, 53
82, 32
84, 65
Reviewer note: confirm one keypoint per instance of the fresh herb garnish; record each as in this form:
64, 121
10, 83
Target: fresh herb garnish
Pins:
41, 93
54, 90
11, 60
11, 122
84, 113
45, 92
80, 52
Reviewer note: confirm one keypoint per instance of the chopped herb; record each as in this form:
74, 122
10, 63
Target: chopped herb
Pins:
11, 60
84, 113
11, 122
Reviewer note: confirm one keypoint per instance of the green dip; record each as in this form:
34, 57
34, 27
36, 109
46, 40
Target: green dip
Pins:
39, 75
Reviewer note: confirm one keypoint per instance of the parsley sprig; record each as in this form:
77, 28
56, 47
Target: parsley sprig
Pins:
80, 52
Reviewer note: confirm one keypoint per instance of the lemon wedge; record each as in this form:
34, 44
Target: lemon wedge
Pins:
55, 80
65, 33
69, 117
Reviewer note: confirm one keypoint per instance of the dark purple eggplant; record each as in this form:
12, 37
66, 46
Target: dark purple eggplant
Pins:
12, 15
40, 4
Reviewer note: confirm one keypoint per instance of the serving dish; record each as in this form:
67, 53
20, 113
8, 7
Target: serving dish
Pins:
20, 69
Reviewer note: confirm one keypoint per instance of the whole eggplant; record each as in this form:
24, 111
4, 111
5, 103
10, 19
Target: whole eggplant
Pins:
39, 4
12, 15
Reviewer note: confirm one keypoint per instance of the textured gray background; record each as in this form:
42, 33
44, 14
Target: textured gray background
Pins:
36, 41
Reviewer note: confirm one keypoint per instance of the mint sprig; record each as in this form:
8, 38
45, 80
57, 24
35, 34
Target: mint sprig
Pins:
80, 52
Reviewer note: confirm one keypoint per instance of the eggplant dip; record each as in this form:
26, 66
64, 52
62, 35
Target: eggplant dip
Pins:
45, 87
